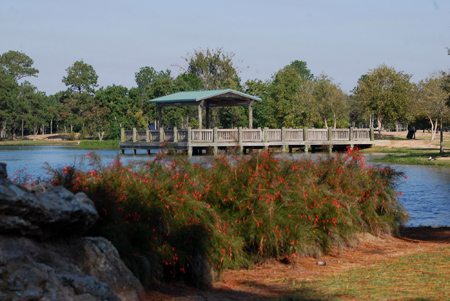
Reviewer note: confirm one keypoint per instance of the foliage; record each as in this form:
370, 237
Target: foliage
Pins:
215, 68
385, 92
17, 64
169, 217
81, 78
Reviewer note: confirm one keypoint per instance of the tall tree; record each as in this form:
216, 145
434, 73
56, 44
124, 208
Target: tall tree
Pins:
214, 68
385, 92
328, 101
284, 97
9, 91
17, 65
302, 69
81, 78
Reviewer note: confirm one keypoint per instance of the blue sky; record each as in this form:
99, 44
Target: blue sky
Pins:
343, 39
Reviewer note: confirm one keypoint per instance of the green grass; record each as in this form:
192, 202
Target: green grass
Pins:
96, 144
423, 276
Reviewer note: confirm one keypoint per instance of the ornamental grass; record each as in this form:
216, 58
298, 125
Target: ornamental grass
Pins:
172, 220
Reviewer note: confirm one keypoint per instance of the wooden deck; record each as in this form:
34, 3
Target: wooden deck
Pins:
195, 141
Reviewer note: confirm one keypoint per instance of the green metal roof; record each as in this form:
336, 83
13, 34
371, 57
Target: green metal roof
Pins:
196, 96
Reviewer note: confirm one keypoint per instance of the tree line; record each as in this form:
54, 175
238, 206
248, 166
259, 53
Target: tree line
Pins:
293, 97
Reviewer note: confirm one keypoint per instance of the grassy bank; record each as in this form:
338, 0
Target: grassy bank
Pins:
82, 144
96, 144
36, 142
174, 220
423, 276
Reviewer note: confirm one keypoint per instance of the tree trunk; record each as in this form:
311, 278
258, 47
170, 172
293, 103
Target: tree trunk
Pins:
441, 146
22, 128
13, 130
379, 119
334, 117
433, 129
51, 126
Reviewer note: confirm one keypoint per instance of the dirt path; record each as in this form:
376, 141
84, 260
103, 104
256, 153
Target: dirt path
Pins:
271, 280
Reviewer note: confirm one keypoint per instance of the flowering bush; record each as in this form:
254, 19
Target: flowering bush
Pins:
171, 219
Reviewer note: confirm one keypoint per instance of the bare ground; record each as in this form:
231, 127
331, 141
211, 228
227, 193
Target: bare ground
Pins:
270, 280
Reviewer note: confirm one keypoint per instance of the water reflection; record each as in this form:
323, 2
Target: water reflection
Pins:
426, 191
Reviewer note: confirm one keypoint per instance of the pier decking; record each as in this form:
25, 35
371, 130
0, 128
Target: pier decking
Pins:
194, 141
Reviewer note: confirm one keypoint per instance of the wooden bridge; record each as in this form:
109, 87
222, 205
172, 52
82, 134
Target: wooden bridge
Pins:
195, 141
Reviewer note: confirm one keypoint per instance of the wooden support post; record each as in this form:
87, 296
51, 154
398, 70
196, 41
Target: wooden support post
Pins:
189, 138
147, 133
330, 134
134, 135
250, 115
159, 118
283, 138
350, 133
161, 135
330, 149
200, 121
123, 137
207, 117
175, 134
306, 148
305, 134
372, 134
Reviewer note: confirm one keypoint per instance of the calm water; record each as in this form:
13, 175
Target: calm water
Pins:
426, 191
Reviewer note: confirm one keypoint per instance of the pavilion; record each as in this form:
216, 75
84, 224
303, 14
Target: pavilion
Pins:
207, 99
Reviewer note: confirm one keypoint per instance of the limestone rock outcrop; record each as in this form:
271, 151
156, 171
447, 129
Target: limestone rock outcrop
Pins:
43, 255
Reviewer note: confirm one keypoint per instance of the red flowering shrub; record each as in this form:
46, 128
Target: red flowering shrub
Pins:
172, 219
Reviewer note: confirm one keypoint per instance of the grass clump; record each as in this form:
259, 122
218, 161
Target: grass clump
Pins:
174, 220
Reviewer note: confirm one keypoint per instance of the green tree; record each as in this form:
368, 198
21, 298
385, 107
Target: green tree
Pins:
262, 111
9, 91
302, 69
432, 101
284, 98
215, 68
17, 65
81, 78
384, 92
328, 101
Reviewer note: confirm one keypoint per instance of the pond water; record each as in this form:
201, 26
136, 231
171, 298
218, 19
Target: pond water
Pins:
426, 191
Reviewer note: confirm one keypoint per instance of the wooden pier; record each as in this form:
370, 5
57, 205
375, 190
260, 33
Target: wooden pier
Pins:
196, 141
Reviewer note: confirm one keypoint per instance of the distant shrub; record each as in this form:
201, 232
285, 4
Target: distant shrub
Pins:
171, 219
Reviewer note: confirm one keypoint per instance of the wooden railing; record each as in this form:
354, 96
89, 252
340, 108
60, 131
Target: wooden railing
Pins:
246, 135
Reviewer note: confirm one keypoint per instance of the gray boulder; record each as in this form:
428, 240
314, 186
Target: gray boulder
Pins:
43, 255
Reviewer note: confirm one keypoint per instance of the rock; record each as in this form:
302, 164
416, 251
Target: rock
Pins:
103, 262
43, 255
55, 212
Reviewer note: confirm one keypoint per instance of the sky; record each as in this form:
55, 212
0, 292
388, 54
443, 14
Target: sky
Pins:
343, 39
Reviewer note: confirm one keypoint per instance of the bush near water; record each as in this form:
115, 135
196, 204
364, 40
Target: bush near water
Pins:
171, 219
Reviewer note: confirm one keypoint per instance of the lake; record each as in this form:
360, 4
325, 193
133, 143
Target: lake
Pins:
426, 191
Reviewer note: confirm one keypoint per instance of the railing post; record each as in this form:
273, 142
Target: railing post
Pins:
305, 134
161, 135
147, 133
283, 137
330, 134
189, 139
215, 138
350, 133
134, 135
265, 134
123, 137
372, 134
175, 134
241, 147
